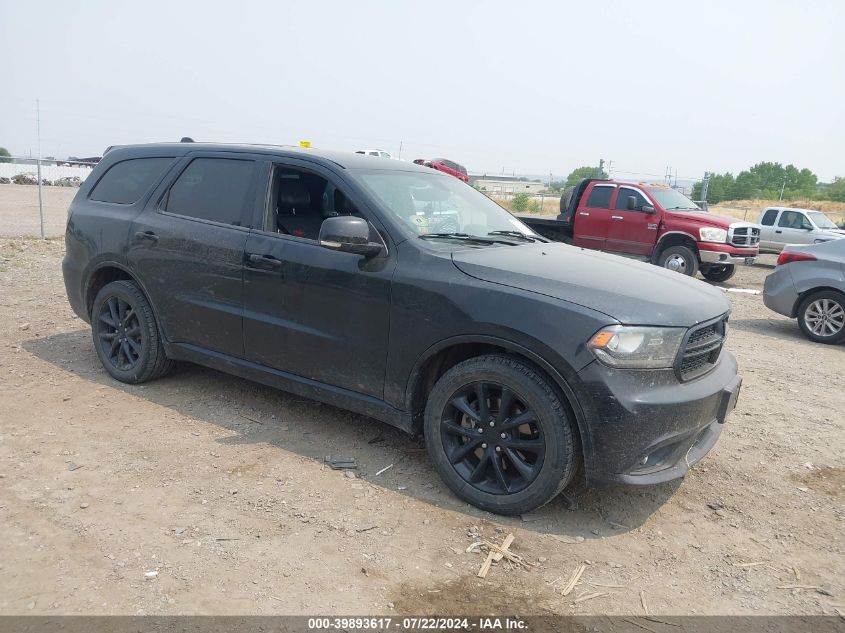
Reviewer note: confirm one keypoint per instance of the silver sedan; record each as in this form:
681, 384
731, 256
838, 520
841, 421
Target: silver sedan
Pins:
809, 284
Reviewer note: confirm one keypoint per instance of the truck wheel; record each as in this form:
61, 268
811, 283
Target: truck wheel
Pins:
821, 317
126, 336
499, 435
680, 259
719, 272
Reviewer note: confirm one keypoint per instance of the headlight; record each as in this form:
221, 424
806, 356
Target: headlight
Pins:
637, 347
712, 234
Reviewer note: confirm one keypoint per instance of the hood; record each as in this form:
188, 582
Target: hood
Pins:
704, 217
629, 291
834, 233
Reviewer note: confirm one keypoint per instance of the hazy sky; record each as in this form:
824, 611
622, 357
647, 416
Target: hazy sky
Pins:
530, 87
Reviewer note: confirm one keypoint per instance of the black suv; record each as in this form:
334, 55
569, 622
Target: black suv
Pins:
400, 293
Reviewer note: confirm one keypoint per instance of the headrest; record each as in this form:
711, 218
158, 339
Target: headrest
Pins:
342, 204
293, 194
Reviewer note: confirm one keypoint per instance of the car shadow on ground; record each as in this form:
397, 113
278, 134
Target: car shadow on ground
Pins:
254, 413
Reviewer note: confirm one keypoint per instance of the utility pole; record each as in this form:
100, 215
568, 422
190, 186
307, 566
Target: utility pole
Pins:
40, 198
601, 166
400, 151
781, 190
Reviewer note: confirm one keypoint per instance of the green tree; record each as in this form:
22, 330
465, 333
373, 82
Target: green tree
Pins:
520, 202
584, 172
4, 155
836, 190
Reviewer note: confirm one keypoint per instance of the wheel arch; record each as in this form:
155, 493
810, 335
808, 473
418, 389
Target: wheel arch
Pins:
810, 291
444, 355
675, 238
106, 272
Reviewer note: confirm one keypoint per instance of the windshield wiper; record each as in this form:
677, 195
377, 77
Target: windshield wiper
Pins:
466, 237
517, 234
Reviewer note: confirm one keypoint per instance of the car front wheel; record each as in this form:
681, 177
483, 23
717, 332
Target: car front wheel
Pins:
821, 317
499, 435
679, 259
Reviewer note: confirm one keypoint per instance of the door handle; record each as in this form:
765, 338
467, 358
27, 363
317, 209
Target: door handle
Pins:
778, 231
617, 217
583, 213
146, 236
264, 261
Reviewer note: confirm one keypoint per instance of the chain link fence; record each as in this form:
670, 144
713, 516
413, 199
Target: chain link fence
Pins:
35, 194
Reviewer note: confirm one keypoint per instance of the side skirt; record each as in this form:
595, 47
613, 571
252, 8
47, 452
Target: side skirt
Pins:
285, 381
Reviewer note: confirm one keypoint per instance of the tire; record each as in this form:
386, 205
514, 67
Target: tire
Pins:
536, 459
680, 259
130, 351
821, 317
719, 272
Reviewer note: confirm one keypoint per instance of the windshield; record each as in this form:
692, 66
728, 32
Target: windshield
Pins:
821, 220
672, 200
431, 203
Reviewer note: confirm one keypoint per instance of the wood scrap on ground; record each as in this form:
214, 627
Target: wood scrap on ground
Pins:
495, 553
573, 580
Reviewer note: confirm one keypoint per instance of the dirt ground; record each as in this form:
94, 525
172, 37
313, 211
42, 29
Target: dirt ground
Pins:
203, 493
19, 214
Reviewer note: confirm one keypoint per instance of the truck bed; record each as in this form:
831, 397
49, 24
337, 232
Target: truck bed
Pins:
549, 226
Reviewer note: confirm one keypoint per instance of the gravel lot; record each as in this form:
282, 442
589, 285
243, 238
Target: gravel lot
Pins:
203, 493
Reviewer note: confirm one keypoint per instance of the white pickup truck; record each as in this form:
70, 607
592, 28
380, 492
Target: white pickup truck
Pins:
784, 225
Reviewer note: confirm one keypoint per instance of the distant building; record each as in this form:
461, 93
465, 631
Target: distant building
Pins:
506, 184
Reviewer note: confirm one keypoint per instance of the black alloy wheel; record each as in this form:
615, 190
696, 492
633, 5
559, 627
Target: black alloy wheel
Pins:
119, 333
492, 438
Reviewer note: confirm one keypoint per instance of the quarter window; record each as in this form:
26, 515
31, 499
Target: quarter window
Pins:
125, 182
215, 189
600, 197
769, 217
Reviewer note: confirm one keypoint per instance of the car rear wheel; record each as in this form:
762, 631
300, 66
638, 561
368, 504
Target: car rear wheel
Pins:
679, 259
499, 435
719, 272
821, 317
126, 336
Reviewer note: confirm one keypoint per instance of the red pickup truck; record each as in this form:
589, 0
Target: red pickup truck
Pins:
650, 222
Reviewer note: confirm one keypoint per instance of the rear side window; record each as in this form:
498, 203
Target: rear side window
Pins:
216, 189
600, 197
125, 182
769, 217
625, 193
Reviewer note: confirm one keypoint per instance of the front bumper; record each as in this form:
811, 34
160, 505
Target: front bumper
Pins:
728, 257
646, 428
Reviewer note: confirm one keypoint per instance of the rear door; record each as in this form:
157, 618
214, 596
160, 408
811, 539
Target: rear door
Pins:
593, 216
187, 247
767, 228
632, 230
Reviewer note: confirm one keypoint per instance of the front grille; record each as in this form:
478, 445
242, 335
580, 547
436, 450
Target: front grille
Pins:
745, 236
701, 349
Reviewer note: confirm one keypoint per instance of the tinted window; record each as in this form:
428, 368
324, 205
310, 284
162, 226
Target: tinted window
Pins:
128, 180
214, 189
600, 197
625, 193
769, 217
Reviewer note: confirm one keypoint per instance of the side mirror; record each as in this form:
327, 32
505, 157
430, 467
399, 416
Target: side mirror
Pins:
349, 234
647, 208
631, 203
